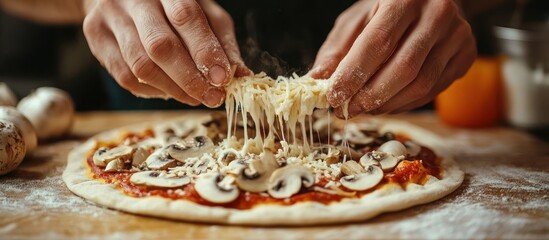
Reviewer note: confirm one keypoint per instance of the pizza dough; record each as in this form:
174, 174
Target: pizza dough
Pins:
271, 161
386, 199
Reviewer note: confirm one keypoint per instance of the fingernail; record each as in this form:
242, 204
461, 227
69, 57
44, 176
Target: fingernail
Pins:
217, 75
354, 109
213, 97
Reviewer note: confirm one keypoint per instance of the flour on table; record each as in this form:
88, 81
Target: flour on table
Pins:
46, 194
8, 228
40, 188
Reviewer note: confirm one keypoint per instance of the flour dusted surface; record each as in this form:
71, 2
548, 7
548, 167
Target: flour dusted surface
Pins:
504, 195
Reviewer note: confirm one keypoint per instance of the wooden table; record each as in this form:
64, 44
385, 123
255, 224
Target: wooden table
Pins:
505, 194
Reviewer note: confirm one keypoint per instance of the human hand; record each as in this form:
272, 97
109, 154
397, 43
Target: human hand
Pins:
394, 55
181, 49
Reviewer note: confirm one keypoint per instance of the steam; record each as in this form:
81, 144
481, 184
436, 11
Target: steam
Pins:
261, 61
256, 58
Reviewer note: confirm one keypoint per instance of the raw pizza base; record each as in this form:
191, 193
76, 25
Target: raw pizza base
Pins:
387, 199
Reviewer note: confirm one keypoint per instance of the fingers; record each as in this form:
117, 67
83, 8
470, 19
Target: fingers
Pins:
223, 28
443, 82
372, 47
428, 76
165, 49
104, 47
403, 66
146, 71
188, 19
418, 68
439, 70
340, 39
454, 69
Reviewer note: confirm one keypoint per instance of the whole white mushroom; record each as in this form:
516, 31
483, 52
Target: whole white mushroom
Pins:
12, 147
50, 110
11, 114
7, 97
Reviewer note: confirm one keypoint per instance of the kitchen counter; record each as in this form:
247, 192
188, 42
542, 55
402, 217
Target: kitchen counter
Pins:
505, 194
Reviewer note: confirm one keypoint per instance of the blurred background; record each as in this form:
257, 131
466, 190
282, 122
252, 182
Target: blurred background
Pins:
281, 37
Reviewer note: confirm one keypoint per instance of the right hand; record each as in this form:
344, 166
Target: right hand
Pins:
181, 49
390, 56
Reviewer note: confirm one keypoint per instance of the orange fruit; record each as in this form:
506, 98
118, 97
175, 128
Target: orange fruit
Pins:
474, 100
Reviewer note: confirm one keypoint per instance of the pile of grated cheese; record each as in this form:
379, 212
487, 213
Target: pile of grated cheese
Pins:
277, 108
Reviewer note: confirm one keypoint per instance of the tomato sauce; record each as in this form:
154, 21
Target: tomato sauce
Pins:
413, 170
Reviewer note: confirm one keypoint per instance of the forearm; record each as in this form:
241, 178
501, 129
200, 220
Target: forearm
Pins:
46, 11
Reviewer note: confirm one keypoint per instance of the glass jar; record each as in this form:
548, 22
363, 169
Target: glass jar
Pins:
525, 73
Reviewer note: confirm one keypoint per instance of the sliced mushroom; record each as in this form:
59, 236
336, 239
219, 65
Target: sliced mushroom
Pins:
143, 150
288, 180
372, 158
332, 159
158, 179
201, 166
413, 148
388, 155
194, 148
356, 136
386, 161
183, 129
167, 135
328, 153
351, 168
360, 181
158, 160
216, 188
115, 165
140, 155
228, 155
104, 155
219, 119
350, 152
394, 148
255, 177
216, 128
236, 166
385, 137
174, 132
152, 143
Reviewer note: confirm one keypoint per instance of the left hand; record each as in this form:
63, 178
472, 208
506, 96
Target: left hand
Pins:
181, 49
394, 55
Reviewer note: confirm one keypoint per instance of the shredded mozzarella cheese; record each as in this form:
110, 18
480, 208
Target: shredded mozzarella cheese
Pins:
286, 102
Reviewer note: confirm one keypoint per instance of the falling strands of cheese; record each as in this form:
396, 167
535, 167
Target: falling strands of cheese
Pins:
278, 108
